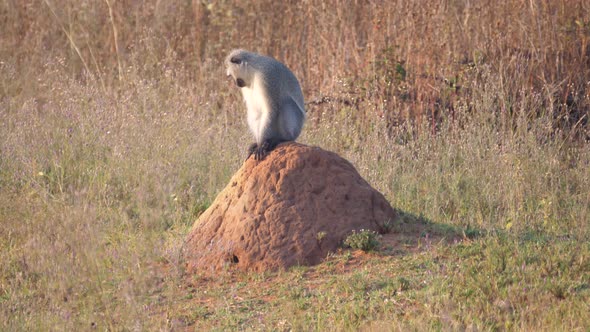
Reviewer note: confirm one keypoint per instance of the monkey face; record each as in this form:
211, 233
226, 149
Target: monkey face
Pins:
237, 67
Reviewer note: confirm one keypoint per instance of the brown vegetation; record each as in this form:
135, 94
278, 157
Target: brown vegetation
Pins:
118, 129
391, 59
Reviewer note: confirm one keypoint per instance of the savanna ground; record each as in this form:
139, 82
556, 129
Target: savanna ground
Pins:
118, 127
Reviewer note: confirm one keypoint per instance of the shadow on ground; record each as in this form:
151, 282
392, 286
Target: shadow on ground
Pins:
413, 233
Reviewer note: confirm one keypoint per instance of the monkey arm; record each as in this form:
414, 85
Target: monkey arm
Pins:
270, 135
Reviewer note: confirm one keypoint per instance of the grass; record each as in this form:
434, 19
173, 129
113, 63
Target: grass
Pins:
117, 129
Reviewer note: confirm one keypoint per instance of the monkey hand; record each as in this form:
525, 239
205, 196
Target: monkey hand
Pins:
260, 151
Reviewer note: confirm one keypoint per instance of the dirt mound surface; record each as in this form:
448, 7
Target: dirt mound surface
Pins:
292, 208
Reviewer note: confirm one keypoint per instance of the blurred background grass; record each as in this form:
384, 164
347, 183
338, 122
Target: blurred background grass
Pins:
118, 127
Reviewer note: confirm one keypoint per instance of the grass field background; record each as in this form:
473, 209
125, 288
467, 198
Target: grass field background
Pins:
118, 128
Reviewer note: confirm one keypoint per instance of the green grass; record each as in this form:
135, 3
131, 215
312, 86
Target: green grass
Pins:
104, 168
492, 283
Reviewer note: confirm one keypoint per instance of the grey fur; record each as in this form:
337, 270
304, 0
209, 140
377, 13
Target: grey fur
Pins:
273, 97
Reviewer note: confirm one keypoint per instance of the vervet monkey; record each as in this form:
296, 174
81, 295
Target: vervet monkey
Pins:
273, 97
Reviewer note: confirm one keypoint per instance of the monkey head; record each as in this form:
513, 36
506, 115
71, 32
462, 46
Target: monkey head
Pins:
239, 67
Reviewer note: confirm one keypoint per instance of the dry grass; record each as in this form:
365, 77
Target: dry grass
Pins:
118, 128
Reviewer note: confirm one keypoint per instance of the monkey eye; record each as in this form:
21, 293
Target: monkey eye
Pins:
235, 60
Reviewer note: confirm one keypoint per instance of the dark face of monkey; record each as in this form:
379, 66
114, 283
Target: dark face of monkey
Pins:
237, 68
239, 82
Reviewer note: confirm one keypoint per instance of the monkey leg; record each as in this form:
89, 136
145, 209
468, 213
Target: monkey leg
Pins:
262, 150
252, 149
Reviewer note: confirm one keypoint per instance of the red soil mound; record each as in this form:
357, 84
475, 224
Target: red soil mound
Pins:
292, 208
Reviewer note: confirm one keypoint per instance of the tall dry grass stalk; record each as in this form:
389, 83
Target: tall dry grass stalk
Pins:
115, 39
